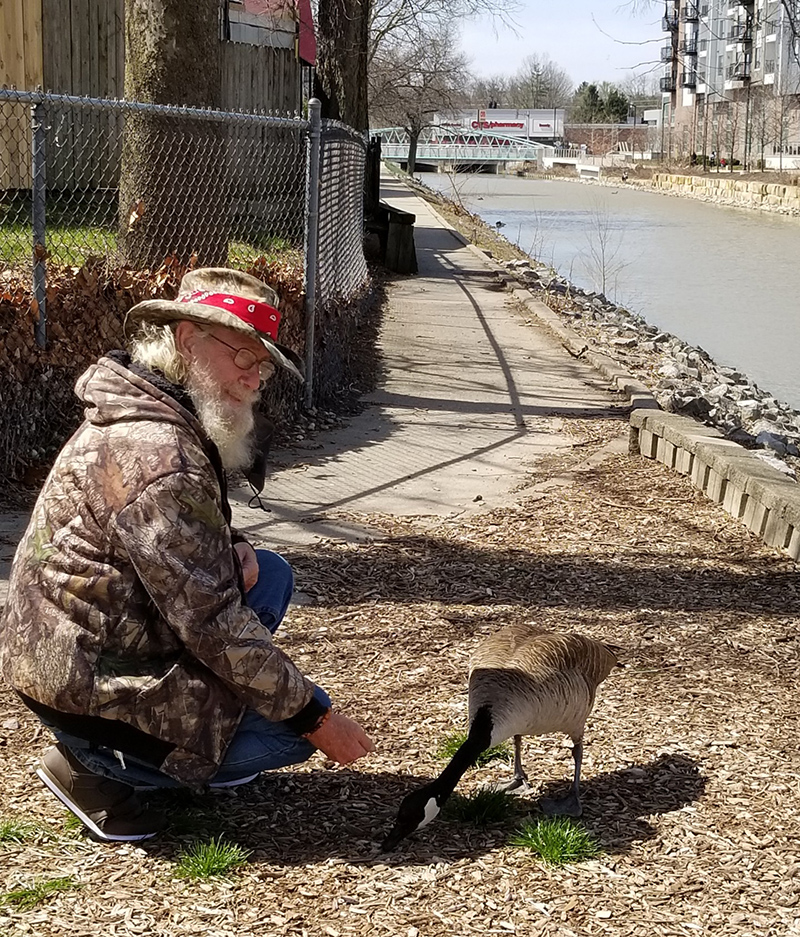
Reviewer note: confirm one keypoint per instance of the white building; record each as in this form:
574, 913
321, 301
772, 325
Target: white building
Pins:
540, 124
731, 83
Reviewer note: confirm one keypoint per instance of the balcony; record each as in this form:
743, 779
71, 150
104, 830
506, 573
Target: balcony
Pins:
738, 71
689, 46
667, 53
741, 32
688, 79
669, 23
667, 83
690, 13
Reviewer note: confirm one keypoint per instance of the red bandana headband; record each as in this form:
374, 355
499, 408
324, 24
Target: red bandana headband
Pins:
261, 316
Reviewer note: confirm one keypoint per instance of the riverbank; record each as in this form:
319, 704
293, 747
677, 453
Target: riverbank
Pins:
683, 378
776, 193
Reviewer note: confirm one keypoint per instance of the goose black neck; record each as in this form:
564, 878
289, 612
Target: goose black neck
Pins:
478, 740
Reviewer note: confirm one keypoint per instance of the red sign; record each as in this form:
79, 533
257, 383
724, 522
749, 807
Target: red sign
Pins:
490, 124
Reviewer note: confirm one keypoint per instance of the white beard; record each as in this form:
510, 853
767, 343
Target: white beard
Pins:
228, 425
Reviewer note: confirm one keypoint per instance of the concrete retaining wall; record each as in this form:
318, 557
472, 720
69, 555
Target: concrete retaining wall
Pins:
762, 497
732, 191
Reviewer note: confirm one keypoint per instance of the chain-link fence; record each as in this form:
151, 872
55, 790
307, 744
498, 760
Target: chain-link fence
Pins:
136, 184
342, 268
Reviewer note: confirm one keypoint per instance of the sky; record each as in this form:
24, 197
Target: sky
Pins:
571, 32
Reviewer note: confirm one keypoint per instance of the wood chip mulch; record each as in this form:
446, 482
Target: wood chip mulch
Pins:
691, 766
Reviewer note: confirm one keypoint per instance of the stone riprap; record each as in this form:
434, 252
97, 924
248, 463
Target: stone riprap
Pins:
683, 379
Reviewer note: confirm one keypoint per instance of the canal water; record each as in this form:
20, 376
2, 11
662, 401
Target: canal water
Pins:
726, 279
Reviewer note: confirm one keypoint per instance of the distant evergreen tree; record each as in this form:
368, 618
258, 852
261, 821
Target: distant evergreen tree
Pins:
598, 105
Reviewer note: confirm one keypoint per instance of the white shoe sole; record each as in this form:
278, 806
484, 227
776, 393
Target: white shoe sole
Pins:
236, 782
89, 824
220, 785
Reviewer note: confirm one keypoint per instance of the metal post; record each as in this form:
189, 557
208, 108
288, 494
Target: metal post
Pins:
38, 213
312, 237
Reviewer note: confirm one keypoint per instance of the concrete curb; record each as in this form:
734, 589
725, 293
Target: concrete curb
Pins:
762, 497
765, 499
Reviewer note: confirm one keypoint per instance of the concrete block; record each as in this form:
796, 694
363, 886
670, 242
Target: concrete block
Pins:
715, 486
735, 500
776, 493
648, 444
717, 452
743, 469
755, 516
700, 472
777, 531
689, 437
794, 544
684, 461
791, 507
664, 451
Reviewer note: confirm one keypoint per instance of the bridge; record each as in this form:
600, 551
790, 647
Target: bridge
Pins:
453, 147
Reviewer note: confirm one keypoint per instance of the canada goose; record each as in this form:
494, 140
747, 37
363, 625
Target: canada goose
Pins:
522, 681
499, 224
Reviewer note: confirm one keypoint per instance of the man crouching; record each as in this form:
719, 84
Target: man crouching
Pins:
139, 625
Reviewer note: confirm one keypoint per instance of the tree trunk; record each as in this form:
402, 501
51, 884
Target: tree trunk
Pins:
413, 139
340, 81
173, 169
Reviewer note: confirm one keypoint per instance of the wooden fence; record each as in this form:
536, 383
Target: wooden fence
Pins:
78, 47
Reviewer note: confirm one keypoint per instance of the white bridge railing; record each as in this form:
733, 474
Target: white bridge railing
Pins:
446, 145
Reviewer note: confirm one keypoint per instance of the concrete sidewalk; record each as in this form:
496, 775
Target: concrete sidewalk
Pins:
472, 396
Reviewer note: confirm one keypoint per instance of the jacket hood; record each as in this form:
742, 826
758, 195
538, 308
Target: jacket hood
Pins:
115, 390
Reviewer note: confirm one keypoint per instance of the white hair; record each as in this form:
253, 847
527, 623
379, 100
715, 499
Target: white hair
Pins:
154, 347
231, 428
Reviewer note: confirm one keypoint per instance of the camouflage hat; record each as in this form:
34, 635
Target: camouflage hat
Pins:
218, 296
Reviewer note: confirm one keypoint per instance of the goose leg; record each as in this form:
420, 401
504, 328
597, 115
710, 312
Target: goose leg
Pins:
569, 806
519, 784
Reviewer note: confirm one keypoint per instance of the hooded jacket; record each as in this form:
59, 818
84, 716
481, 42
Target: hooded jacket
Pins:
125, 598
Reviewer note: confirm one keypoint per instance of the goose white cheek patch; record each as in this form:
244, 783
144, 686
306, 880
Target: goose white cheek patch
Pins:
431, 811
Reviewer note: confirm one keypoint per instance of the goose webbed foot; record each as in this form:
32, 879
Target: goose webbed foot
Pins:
519, 785
569, 806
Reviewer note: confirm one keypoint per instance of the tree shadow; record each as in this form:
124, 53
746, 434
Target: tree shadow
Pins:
430, 569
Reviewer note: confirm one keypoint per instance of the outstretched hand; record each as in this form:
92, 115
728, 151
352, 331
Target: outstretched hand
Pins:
247, 557
342, 739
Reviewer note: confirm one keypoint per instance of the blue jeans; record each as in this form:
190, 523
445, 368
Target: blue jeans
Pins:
258, 745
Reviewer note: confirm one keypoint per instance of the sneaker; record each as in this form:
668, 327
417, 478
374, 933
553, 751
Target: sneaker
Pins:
235, 782
214, 786
109, 809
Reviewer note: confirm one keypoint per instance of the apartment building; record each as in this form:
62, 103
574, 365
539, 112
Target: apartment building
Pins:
731, 82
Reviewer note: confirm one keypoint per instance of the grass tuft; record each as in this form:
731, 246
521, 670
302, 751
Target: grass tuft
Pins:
482, 808
28, 896
71, 825
557, 840
451, 744
216, 857
19, 831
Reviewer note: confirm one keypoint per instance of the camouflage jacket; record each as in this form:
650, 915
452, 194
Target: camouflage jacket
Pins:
124, 598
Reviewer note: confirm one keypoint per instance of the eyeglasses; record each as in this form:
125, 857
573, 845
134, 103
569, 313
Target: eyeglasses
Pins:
245, 359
